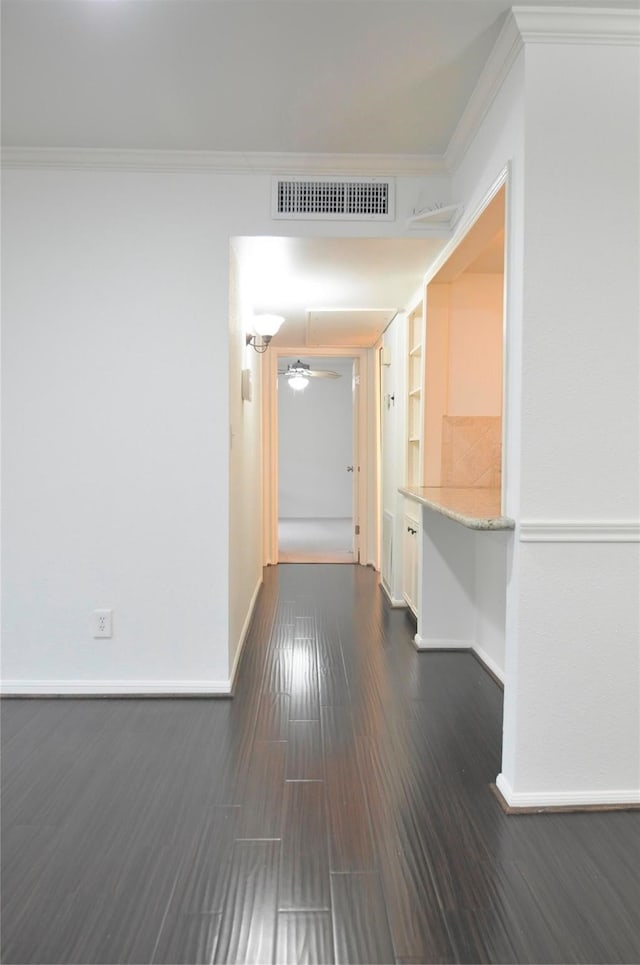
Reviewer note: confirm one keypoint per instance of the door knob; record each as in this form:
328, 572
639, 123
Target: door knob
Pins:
349, 468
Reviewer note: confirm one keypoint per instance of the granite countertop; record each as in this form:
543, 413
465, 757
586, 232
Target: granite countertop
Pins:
477, 508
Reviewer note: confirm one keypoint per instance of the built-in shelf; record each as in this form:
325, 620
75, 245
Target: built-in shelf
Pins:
415, 372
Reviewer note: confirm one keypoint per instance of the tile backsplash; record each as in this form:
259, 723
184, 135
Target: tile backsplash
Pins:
471, 451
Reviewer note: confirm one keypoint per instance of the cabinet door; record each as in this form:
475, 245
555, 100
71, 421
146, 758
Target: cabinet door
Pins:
410, 563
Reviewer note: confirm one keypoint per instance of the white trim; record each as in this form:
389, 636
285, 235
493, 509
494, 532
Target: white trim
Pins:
548, 799
222, 162
501, 59
579, 531
270, 458
435, 643
489, 662
464, 226
270, 444
102, 688
577, 25
531, 24
393, 602
245, 631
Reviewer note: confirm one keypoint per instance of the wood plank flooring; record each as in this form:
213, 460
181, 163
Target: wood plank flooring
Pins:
338, 809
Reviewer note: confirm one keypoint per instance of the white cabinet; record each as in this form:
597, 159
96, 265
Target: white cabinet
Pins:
410, 548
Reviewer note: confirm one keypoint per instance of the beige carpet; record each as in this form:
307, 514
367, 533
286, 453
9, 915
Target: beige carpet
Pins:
315, 540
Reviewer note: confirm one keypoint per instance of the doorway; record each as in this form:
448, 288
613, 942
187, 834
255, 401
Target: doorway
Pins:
317, 463
356, 377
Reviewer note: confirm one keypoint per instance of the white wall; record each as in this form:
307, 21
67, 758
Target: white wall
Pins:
116, 422
245, 468
115, 416
492, 566
315, 443
582, 284
566, 121
578, 601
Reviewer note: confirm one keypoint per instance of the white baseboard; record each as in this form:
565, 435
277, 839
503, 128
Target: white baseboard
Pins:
489, 663
392, 599
555, 799
134, 688
434, 643
114, 688
244, 632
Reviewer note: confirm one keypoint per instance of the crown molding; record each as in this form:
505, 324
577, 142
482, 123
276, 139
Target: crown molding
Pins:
523, 25
501, 59
531, 24
578, 25
221, 162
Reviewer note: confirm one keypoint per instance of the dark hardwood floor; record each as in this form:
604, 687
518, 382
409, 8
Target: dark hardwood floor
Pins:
338, 809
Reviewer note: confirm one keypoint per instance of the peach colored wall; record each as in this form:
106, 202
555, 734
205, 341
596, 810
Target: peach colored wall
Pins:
475, 345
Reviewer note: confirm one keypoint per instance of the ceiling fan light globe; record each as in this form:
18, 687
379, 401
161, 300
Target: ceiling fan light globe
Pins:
298, 382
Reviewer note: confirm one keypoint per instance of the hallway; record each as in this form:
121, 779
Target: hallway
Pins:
338, 808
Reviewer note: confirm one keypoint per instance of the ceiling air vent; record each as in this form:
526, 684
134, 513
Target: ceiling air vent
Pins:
343, 199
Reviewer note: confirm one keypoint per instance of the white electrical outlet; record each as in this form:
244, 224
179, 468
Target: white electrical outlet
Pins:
102, 623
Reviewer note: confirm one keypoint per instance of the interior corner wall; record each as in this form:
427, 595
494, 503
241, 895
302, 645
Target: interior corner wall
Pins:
245, 467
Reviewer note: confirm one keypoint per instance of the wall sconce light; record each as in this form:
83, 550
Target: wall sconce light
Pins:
265, 327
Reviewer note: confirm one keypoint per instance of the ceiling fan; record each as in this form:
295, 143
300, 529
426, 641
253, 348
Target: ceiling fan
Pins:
299, 373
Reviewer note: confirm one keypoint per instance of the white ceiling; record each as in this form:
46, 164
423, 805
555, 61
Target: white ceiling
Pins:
297, 276
311, 76
305, 76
